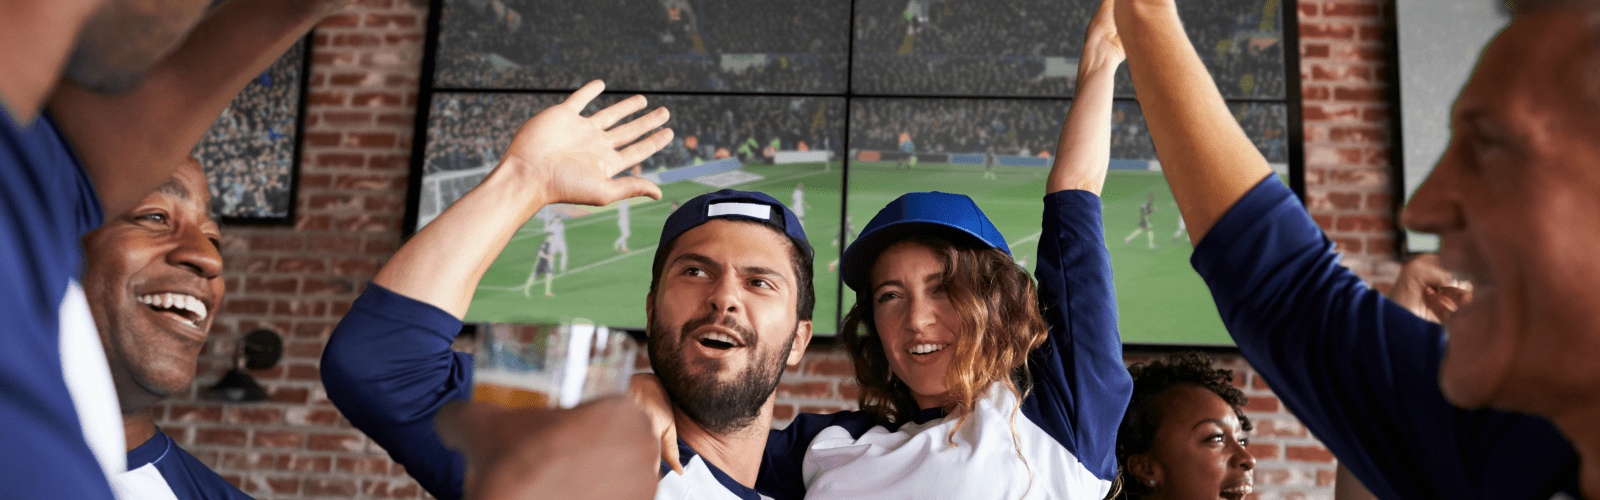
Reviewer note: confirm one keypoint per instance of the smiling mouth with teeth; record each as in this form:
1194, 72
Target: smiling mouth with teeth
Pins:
719, 341
924, 349
187, 307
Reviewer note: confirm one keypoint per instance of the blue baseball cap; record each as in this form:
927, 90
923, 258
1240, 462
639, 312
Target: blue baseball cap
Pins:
731, 204
946, 215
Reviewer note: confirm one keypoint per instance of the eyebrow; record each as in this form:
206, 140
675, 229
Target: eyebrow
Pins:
710, 262
1217, 421
931, 277
172, 187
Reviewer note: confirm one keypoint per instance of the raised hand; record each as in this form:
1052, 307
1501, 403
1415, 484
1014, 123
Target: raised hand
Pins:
571, 159
1426, 289
1102, 46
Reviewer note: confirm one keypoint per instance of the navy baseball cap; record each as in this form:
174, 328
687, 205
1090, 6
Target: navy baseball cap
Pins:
731, 204
947, 215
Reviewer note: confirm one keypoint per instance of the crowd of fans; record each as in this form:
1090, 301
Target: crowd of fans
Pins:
1000, 48
248, 153
471, 130
671, 45
1026, 127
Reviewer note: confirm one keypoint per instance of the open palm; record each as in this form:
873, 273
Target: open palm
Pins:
575, 158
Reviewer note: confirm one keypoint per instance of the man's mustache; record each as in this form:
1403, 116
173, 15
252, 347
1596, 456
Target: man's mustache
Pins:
747, 336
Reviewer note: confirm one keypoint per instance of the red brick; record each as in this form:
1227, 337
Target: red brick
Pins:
336, 442
1365, 11
309, 222
364, 181
355, 40
1326, 478
403, 39
304, 372
338, 308
1308, 9
1348, 245
191, 413
327, 57
284, 485
279, 439
378, 247
1277, 427
1381, 246
1263, 451
837, 367
367, 224
335, 160
220, 437
234, 479
391, 21
330, 487
1368, 177
382, 4
377, 203
1314, 50
303, 463
1374, 114
255, 284
363, 466
821, 409
1333, 31
318, 40
1308, 454
359, 267
275, 243
396, 118
303, 349
376, 99
314, 329
246, 461
245, 306
1362, 94
254, 416
300, 265
1314, 93
274, 373
332, 201
347, 118
1371, 33
1344, 201
849, 391
324, 98
371, 139
295, 395
388, 162
1262, 404
310, 416
1361, 134
250, 264
1364, 223
393, 488
341, 21
805, 389
783, 412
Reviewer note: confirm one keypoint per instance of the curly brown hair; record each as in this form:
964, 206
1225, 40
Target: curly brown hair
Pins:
1001, 324
1137, 433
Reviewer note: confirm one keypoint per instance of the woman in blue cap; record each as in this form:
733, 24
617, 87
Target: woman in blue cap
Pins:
969, 388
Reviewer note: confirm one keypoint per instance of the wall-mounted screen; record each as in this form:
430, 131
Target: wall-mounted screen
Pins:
810, 102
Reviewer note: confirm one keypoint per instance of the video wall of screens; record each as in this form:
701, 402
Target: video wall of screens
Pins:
811, 103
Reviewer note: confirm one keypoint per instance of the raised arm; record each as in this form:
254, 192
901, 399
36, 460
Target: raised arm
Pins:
1084, 149
1081, 387
1208, 160
557, 156
130, 143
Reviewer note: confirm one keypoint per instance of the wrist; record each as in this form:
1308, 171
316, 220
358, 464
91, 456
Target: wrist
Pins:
517, 183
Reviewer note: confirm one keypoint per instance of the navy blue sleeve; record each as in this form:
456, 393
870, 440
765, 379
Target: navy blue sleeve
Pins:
1360, 371
1080, 385
389, 369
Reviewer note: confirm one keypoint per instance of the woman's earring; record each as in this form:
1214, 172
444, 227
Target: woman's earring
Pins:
1150, 482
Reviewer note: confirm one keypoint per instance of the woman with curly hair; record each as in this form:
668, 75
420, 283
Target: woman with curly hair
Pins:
1184, 434
975, 382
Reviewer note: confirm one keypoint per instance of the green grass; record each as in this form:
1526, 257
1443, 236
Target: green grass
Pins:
1160, 298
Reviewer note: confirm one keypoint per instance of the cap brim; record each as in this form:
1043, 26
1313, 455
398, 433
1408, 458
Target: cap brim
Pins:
856, 265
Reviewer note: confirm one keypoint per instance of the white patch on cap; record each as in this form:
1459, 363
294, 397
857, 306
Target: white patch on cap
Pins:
752, 210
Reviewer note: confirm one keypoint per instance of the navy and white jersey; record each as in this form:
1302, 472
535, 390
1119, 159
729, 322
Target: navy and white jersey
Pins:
63, 431
1362, 372
160, 470
389, 368
1059, 442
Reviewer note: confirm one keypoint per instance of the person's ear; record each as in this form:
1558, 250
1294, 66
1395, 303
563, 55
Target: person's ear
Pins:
1142, 468
802, 338
649, 311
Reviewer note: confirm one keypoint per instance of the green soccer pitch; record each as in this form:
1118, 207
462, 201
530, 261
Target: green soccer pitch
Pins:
1160, 298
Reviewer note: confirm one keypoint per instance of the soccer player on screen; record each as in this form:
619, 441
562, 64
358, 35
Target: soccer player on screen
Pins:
624, 226
1149, 207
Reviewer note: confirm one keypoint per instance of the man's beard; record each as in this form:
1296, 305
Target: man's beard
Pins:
718, 407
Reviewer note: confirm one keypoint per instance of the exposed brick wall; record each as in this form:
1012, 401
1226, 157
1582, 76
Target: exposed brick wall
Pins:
300, 280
